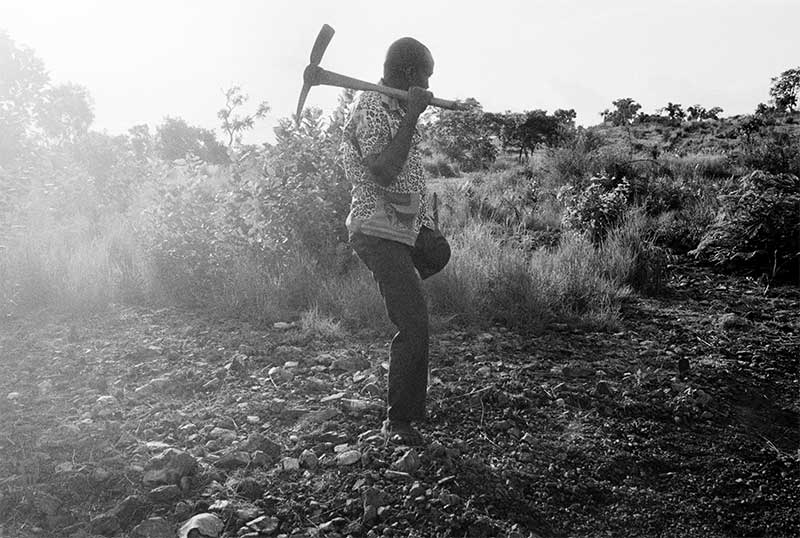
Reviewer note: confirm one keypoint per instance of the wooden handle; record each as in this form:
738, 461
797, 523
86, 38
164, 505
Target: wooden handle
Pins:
329, 78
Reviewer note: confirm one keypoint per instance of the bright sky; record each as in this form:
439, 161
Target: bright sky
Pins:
147, 59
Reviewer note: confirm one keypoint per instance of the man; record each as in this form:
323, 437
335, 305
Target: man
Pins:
391, 225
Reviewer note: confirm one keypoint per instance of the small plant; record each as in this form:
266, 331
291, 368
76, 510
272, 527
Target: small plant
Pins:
596, 208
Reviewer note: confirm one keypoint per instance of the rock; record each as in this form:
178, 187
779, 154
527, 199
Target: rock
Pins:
350, 364
233, 460
308, 459
253, 419
258, 441
373, 499
105, 406
207, 525
264, 524
408, 462
249, 488
105, 524
223, 434
260, 459
683, 367
169, 467
449, 499
164, 494
485, 337
397, 475
603, 389
484, 371
577, 370
334, 524
732, 322
348, 457
123, 516
46, 503
290, 464
151, 387
248, 513
154, 527
280, 375
13, 396
416, 490
502, 425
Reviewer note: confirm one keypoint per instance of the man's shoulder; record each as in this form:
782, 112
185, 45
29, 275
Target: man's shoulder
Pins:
369, 100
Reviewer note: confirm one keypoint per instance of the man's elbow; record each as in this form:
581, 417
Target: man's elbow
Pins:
381, 173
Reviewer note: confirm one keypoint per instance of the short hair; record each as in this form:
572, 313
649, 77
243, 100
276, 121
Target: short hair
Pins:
403, 53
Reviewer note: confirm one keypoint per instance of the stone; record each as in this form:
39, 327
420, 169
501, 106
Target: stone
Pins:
264, 524
154, 527
207, 525
408, 462
279, 374
223, 434
350, 364
233, 460
577, 370
164, 494
151, 387
169, 467
730, 322
308, 459
105, 524
259, 441
603, 389
348, 457
397, 475
249, 488
106, 406
334, 524
290, 464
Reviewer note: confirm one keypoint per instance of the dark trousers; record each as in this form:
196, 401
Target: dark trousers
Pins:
395, 268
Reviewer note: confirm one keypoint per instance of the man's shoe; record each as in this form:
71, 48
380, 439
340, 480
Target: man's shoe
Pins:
401, 433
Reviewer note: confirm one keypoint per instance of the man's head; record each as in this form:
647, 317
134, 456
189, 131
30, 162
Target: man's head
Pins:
408, 63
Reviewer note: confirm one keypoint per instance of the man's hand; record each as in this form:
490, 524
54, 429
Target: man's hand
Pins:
418, 100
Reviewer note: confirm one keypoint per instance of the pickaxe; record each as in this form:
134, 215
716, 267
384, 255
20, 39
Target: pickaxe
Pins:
314, 75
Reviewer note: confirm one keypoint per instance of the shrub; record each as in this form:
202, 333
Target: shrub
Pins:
776, 152
757, 226
596, 208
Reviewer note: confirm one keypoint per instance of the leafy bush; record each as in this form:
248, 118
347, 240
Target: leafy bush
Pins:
438, 165
774, 151
757, 226
596, 208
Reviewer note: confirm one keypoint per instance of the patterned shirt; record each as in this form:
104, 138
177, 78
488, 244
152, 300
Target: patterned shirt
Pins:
395, 212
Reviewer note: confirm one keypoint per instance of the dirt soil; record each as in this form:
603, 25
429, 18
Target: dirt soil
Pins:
561, 432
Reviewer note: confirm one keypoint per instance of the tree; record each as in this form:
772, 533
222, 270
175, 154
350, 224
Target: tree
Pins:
234, 125
624, 112
785, 89
175, 139
696, 112
674, 112
65, 113
464, 136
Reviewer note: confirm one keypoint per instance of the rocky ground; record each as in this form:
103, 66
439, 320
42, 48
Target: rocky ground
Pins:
134, 422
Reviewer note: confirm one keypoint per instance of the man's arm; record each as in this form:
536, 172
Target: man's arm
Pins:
386, 165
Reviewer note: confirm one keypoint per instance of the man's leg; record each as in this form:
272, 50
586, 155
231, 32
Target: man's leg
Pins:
393, 267
431, 252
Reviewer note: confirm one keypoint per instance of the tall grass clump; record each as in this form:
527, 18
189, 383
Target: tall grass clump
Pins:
488, 278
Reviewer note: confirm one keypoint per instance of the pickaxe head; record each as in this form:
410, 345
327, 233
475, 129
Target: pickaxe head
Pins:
323, 39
